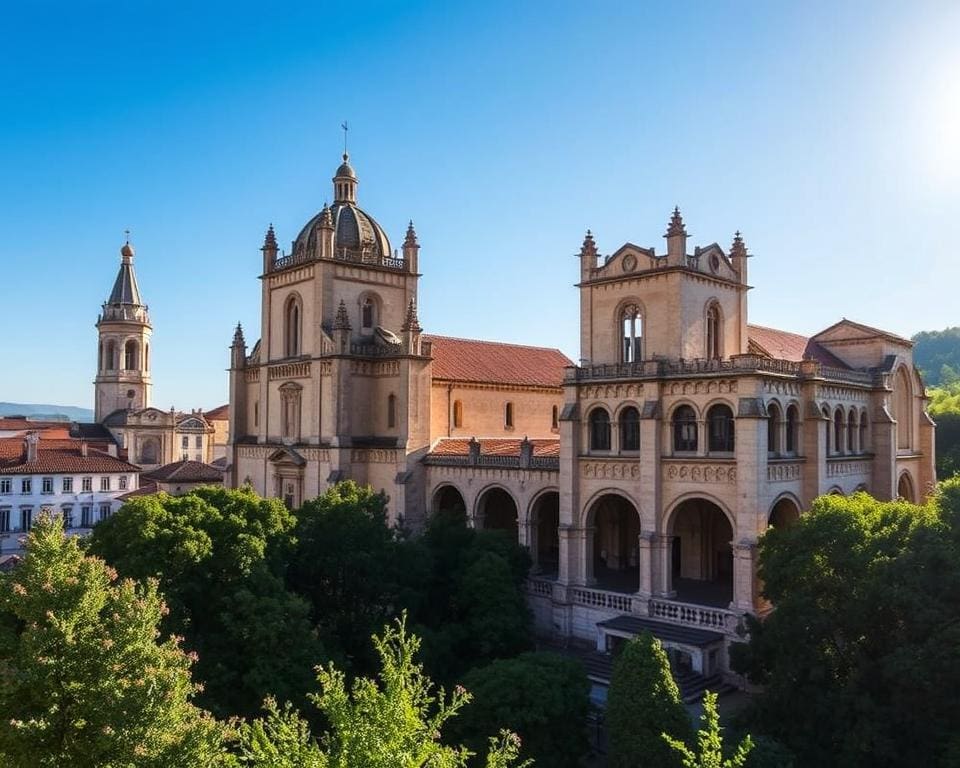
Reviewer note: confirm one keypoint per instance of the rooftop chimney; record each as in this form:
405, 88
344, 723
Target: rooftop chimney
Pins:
32, 441
83, 448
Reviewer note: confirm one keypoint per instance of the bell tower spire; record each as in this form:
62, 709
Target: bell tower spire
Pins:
123, 361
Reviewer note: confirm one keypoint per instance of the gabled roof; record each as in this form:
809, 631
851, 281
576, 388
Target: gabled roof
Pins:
221, 413
455, 446
864, 331
493, 362
186, 472
783, 345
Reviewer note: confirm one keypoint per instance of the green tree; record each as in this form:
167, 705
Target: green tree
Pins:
873, 590
83, 680
345, 564
395, 722
643, 703
542, 697
710, 742
220, 557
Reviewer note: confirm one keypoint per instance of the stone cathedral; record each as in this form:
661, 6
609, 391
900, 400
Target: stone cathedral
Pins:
639, 480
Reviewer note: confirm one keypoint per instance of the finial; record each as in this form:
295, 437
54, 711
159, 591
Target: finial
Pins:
345, 129
126, 250
411, 322
238, 337
270, 239
411, 238
326, 217
342, 320
738, 248
589, 247
676, 226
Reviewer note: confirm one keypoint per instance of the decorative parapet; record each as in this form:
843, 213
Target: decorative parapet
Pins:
366, 257
610, 470
700, 472
738, 364
251, 375
842, 467
289, 371
545, 463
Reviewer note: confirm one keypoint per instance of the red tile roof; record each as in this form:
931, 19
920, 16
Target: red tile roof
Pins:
784, 345
222, 413
57, 460
455, 446
492, 362
146, 488
186, 472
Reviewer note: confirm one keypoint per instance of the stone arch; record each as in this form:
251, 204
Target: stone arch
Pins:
906, 490
721, 422
110, 362
701, 531
835, 490
496, 509
684, 425
629, 320
902, 410
447, 498
627, 419
149, 452
543, 519
599, 430
369, 307
713, 329
784, 511
292, 325
131, 355
613, 550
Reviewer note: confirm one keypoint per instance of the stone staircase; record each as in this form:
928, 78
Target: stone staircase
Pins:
693, 685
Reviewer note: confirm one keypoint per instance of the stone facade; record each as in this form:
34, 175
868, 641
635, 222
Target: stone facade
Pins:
640, 480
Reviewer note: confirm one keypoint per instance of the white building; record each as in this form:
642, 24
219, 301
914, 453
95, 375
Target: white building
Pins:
64, 476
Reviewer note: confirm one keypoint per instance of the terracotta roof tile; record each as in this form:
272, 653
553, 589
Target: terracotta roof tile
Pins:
492, 362
222, 413
784, 345
57, 460
186, 472
456, 446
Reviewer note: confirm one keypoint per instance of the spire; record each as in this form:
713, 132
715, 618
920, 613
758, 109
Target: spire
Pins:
676, 224
411, 322
738, 249
238, 340
589, 247
342, 320
411, 238
125, 289
270, 239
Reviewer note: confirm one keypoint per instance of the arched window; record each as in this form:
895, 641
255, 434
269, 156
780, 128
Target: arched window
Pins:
825, 412
684, 429
863, 432
599, 430
292, 327
392, 411
149, 451
838, 423
713, 332
631, 324
630, 429
111, 355
555, 418
773, 428
368, 312
100, 366
457, 413
146, 357
852, 432
720, 428
792, 418
508, 416
131, 356
902, 411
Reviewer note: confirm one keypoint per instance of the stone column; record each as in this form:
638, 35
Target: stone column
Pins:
571, 564
645, 557
744, 576
662, 552
586, 555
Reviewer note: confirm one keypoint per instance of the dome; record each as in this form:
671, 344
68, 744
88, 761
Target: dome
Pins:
126, 251
353, 230
345, 168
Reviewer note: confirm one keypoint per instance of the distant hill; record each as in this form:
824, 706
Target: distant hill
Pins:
43, 411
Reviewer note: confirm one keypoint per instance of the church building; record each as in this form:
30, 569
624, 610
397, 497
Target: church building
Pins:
640, 480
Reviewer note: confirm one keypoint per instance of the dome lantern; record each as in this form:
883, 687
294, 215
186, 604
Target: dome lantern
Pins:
345, 182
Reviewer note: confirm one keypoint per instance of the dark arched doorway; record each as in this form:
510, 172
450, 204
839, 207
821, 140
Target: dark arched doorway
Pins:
702, 557
448, 499
785, 512
615, 557
545, 534
905, 488
496, 510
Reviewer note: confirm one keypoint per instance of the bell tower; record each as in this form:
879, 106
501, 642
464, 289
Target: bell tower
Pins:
123, 360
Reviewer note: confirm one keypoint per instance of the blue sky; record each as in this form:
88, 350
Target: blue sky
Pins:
829, 133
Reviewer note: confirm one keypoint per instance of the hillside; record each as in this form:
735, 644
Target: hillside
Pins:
937, 355
46, 411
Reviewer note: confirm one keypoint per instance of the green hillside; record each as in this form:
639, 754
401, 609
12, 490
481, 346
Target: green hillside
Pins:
937, 354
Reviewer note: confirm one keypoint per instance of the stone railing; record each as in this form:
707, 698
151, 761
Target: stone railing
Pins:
540, 587
372, 349
688, 614
599, 598
659, 369
840, 466
365, 257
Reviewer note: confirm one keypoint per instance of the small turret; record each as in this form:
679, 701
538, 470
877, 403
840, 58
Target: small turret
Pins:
411, 250
345, 182
341, 328
326, 233
411, 330
588, 256
269, 249
676, 239
739, 256
238, 349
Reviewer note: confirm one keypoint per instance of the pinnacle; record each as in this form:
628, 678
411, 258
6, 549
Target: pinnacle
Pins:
270, 239
676, 226
342, 320
411, 322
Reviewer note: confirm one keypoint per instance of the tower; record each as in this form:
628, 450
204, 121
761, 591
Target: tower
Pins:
123, 362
